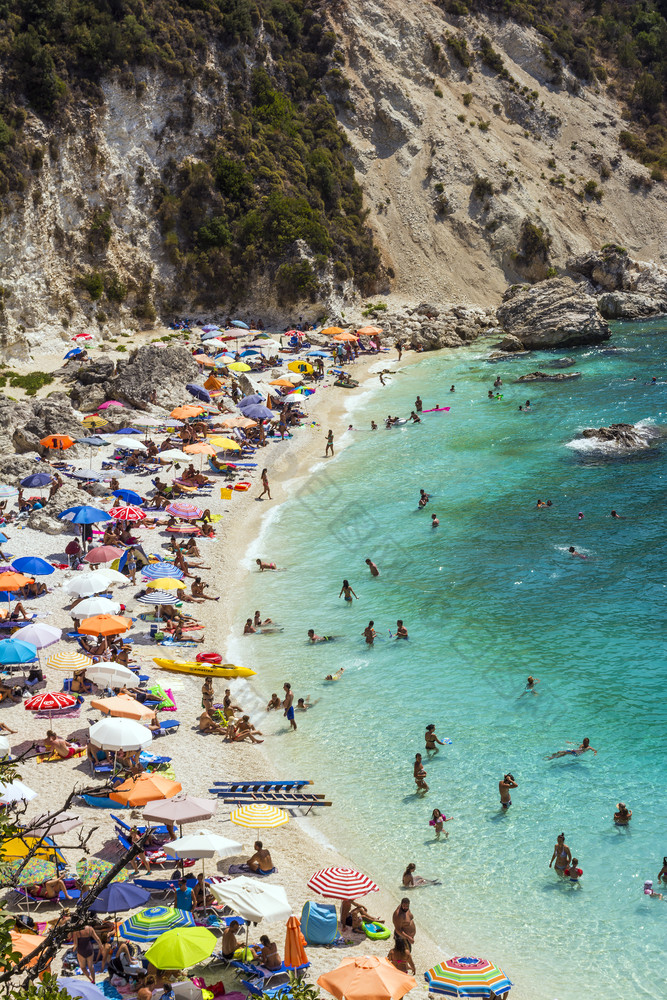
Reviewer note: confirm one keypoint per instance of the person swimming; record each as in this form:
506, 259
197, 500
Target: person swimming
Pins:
337, 676
582, 748
530, 685
573, 552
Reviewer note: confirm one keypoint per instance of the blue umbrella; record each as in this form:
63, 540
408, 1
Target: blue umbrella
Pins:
199, 392
17, 651
128, 430
210, 327
249, 400
83, 514
129, 496
241, 325
155, 571
257, 412
249, 350
318, 354
73, 353
33, 566
210, 334
120, 896
36, 480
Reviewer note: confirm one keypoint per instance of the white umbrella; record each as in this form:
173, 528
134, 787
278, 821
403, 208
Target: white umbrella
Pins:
16, 791
252, 900
130, 444
95, 606
174, 455
109, 675
4, 746
87, 584
40, 634
202, 844
120, 734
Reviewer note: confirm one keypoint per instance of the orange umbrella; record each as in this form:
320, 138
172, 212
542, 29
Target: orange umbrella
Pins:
25, 943
366, 977
57, 441
105, 625
201, 359
284, 382
10, 580
346, 336
332, 331
145, 788
123, 707
212, 383
295, 951
200, 448
183, 412
370, 331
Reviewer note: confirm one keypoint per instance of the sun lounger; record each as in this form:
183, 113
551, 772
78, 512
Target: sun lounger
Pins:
260, 989
281, 799
260, 786
28, 902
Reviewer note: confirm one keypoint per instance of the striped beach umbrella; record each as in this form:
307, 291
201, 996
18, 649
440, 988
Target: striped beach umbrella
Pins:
181, 508
463, 976
258, 815
8, 491
341, 883
148, 924
154, 571
68, 660
158, 597
129, 513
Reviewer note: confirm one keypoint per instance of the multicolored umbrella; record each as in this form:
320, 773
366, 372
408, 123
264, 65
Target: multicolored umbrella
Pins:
149, 924
463, 976
341, 883
36, 871
90, 869
68, 660
181, 508
129, 513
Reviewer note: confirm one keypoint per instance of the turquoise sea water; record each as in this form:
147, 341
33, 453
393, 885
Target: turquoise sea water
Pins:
489, 597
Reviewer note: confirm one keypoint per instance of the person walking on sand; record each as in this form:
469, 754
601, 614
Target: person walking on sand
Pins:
419, 774
372, 567
369, 634
404, 923
399, 348
504, 787
288, 705
265, 484
330, 444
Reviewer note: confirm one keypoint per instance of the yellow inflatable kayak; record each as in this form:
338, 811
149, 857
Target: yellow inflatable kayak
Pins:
203, 669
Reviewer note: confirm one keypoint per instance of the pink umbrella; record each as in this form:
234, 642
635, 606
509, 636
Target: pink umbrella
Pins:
103, 554
181, 508
341, 883
50, 701
109, 402
129, 513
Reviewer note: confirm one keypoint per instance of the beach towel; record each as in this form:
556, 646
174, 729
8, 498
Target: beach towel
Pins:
245, 870
47, 758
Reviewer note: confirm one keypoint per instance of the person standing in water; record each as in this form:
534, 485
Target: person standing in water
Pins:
401, 631
288, 705
347, 590
330, 444
372, 567
434, 521
530, 685
369, 634
419, 774
418, 404
562, 855
431, 739
504, 788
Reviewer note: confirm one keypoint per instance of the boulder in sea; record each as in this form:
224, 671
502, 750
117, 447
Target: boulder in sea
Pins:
625, 435
626, 288
547, 377
553, 313
511, 345
630, 305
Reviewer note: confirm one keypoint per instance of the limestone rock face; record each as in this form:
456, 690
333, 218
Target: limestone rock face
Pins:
626, 288
153, 368
510, 344
554, 313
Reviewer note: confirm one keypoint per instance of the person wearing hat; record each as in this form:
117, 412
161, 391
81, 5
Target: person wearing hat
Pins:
623, 815
648, 890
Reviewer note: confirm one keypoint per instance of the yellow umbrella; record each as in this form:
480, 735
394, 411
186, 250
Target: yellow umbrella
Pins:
166, 583
18, 847
300, 366
92, 420
123, 707
227, 443
239, 366
69, 660
259, 815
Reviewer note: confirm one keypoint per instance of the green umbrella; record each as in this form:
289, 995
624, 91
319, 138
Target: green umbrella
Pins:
36, 871
149, 924
90, 869
181, 948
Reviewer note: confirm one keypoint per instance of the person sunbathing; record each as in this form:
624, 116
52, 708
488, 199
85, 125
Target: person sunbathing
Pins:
18, 611
261, 860
98, 756
246, 731
13, 693
50, 889
56, 744
197, 588
32, 589
207, 725
267, 953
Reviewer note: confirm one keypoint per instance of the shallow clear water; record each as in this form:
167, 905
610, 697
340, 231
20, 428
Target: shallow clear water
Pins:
489, 597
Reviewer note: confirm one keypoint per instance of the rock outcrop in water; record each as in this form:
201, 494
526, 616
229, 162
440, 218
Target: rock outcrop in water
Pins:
546, 377
558, 312
625, 288
625, 435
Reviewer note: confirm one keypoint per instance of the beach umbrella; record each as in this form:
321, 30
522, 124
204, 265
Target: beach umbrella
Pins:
40, 635
50, 701
258, 815
181, 948
225, 443
119, 896
149, 924
11, 580
202, 844
95, 606
345, 336
126, 430
29, 843
173, 455
57, 441
94, 441
207, 362
199, 392
17, 651
109, 403
284, 382
87, 584
105, 625
33, 566
129, 513
158, 598
208, 332
46, 824
121, 706
238, 422
80, 988
87, 475
90, 870
25, 944
128, 496
165, 583
258, 412
250, 351
186, 411
370, 331
19, 873
341, 883
131, 445
466, 976
83, 514
240, 324
110, 675
153, 571
102, 554
331, 331
8, 491
366, 977
120, 734
239, 366
145, 788
252, 900
68, 660
36, 481
295, 951
181, 809
74, 352
255, 397
200, 448
212, 342
300, 367
318, 354
183, 509
94, 420
16, 791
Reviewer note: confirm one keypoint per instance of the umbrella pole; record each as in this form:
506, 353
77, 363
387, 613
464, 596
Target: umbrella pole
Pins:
203, 886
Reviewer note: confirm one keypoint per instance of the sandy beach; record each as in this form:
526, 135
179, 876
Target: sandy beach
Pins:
304, 844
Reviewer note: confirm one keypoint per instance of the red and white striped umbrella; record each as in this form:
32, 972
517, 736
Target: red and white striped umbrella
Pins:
180, 508
50, 701
129, 513
341, 883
